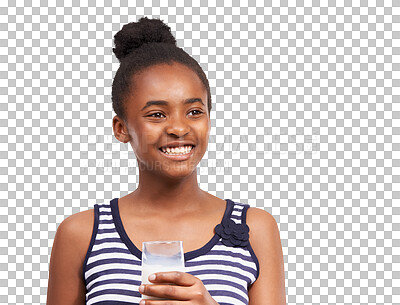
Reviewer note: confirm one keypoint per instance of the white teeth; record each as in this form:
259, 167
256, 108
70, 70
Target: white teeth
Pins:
177, 150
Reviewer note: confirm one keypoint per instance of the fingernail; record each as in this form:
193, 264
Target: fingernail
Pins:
141, 289
152, 277
142, 302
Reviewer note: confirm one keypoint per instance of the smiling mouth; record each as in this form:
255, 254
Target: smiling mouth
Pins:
176, 151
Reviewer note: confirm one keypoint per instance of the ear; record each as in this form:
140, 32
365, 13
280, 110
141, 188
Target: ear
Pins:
120, 130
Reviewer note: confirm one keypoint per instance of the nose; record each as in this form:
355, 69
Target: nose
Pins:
178, 126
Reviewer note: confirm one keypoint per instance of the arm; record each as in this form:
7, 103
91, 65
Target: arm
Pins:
66, 284
269, 288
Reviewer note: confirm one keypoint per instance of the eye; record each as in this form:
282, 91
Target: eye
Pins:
153, 115
198, 112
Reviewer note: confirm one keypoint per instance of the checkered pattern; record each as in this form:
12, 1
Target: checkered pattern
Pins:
305, 124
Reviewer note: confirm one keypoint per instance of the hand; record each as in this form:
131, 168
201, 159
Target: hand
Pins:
186, 289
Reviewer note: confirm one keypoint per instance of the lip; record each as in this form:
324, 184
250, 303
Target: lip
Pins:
178, 157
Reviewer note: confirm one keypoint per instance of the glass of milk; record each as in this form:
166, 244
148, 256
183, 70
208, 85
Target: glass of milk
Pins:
161, 256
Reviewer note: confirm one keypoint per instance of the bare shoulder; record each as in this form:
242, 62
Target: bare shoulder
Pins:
71, 242
78, 228
261, 223
269, 288
260, 217
264, 232
79, 219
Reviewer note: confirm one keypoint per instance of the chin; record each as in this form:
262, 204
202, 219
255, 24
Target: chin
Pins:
178, 170
177, 173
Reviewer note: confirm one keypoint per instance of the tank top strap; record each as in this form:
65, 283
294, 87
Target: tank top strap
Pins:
239, 211
104, 212
103, 222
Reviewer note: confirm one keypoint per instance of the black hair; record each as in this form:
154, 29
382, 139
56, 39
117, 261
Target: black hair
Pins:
139, 45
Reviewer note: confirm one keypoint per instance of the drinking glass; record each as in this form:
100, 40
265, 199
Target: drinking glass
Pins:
161, 256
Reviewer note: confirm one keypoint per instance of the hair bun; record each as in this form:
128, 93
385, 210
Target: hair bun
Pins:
135, 34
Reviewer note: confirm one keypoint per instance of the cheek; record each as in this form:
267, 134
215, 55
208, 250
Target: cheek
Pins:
142, 138
204, 132
149, 135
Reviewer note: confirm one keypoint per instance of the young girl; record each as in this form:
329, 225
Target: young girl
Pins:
233, 253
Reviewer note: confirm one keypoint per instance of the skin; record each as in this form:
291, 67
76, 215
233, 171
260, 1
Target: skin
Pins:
162, 197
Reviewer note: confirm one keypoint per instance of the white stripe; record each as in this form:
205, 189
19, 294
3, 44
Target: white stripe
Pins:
229, 288
224, 258
105, 217
213, 276
209, 275
216, 276
110, 266
113, 286
104, 204
221, 267
107, 235
110, 255
107, 245
240, 250
229, 278
236, 213
238, 207
116, 276
106, 226
104, 277
228, 300
114, 297
104, 210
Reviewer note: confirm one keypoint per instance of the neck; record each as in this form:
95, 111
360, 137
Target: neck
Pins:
160, 193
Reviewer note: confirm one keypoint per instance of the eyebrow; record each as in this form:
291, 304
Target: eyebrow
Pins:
165, 103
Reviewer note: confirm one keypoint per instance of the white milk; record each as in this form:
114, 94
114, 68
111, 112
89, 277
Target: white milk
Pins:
149, 269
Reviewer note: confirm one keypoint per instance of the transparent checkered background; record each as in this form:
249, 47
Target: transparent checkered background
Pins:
305, 124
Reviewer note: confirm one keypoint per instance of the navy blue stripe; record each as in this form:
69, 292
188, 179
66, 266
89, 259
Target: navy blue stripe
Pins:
235, 217
108, 213
227, 294
112, 271
115, 291
116, 281
125, 303
115, 260
104, 231
93, 238
226, 283
231, 254
106, 221
219, 271
107, 240
222, 263
110, 250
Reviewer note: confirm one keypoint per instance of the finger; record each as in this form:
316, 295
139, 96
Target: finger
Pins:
167, 302
174, 277
169, 292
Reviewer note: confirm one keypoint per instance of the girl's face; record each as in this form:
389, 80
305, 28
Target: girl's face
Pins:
168, 108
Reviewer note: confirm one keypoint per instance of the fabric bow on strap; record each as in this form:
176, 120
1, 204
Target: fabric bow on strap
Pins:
233, 234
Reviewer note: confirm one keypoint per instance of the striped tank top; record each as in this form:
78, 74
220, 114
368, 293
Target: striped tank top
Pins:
227, 264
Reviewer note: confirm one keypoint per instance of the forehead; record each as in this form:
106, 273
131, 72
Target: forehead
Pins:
167, 79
